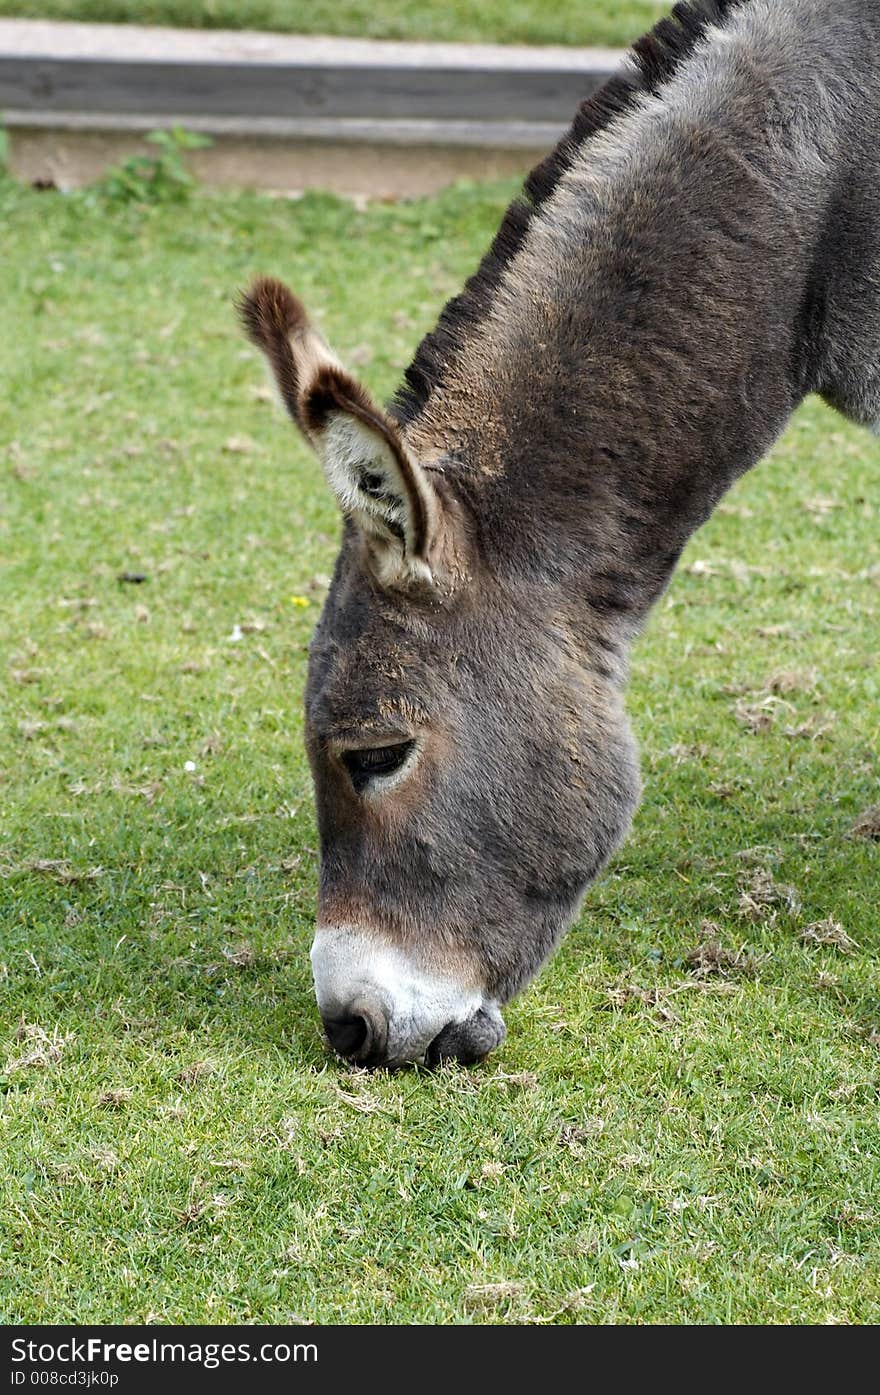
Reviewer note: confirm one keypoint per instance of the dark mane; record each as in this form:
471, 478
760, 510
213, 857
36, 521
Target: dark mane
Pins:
653, 61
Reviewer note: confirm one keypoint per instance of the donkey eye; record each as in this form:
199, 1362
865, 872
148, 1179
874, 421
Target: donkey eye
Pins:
366, 764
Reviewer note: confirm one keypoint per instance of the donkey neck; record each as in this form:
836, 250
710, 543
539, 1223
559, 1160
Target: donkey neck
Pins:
652, 334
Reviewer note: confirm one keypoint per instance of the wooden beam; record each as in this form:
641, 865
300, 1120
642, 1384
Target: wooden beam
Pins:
83, 68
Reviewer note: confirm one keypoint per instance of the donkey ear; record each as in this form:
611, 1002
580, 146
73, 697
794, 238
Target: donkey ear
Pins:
377, 482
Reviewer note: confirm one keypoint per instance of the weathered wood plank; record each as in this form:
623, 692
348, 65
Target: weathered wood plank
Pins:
293, 91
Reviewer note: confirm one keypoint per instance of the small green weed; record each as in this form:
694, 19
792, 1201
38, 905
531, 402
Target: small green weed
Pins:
160, 178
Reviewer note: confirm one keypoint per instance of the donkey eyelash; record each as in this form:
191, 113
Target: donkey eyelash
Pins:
372, 761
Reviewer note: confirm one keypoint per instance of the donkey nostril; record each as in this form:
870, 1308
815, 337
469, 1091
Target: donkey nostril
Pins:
468, 1041
346, 1034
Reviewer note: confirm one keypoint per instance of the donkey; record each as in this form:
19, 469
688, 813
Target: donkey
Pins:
700, 251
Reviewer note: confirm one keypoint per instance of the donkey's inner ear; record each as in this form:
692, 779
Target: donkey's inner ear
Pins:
378, 484
375, 478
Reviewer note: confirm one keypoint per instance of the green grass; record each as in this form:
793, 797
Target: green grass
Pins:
650, 1145
490, 21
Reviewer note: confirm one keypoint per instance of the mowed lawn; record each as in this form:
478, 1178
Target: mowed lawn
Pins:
684, 1123
489, 21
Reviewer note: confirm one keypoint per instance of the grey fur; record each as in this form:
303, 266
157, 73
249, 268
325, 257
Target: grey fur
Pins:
703, 259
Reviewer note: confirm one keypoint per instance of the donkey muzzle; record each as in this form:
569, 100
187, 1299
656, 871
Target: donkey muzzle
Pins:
381, 1007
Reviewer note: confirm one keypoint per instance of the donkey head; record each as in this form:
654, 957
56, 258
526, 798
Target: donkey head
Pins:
473, 767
